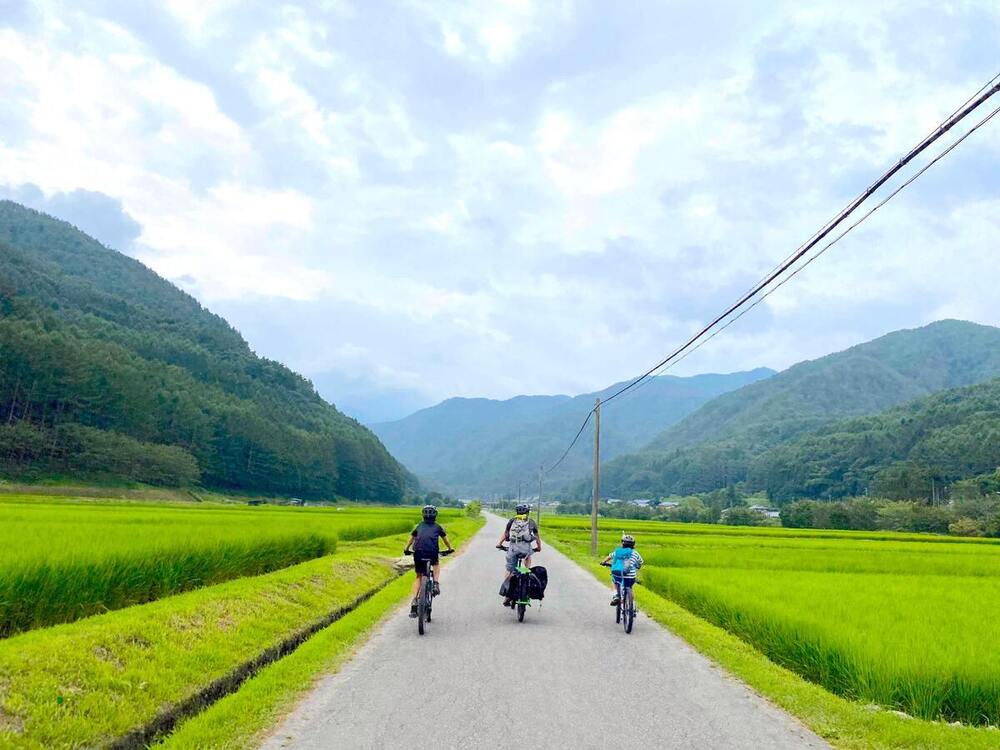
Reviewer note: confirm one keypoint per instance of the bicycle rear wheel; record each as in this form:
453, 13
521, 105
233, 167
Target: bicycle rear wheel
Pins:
421, 613
520, 612
628, 610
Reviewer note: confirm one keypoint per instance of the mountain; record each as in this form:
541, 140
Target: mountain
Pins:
900, 453
480, 446
111, 372
715, 445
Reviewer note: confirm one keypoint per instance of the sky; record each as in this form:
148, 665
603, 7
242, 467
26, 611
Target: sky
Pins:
408, 201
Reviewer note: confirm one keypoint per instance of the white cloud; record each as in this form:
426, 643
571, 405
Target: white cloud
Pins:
494, 32
475, 186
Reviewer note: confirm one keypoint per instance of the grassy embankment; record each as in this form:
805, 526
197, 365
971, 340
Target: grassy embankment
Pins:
89, 682
855, 628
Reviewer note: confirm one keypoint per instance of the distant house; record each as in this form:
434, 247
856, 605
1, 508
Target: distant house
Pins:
767, 511
642, 503
670, 504
612, 500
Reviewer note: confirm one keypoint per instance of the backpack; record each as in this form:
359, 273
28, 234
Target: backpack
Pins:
537, 581
623, 555
520, 530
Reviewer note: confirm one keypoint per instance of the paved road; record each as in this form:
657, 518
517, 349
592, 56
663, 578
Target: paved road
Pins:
567, 677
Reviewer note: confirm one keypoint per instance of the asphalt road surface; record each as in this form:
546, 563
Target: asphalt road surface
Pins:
567, 677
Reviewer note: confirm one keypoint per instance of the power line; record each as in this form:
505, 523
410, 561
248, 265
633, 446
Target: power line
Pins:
833, 242
984, 93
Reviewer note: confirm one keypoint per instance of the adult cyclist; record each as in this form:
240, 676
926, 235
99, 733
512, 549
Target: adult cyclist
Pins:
521, 535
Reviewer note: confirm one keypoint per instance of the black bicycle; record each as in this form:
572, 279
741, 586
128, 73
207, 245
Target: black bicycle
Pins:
517, 588
425, 598
625, 609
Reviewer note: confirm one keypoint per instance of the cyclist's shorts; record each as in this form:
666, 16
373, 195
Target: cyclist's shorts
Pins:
421, 561
619, 578
516, 551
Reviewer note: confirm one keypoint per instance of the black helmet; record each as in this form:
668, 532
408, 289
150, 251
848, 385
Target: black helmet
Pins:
430, 513
628, 540
522, 509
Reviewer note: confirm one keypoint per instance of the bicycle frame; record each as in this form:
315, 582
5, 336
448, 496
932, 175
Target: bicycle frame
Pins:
425, 598
519, 578
625, 608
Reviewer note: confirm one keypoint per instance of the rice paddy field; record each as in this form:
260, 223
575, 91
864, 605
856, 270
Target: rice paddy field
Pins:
118, 617
906, 622
67, 560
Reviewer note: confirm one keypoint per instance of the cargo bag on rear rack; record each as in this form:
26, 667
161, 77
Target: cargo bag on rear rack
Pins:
538, 579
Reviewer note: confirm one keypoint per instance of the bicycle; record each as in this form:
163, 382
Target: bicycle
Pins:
425, 597
518, 578
625, 609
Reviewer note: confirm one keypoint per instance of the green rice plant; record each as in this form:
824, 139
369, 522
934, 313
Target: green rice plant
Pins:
45, 594
67, 560
919, 644
86, 683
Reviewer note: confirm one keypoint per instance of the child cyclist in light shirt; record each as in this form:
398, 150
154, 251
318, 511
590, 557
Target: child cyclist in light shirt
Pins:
625, 563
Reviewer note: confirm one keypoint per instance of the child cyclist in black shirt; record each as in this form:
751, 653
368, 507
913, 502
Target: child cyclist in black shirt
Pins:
424, 544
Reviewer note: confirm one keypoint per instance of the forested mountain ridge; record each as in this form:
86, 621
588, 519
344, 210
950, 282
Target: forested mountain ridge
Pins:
906, 452
109, 371
714, 446
477, 445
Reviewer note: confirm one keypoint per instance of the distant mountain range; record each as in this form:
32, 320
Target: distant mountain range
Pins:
901, 453
476, 446
734, 438
109, 372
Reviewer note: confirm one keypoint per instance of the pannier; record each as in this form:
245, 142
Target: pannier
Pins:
538, 579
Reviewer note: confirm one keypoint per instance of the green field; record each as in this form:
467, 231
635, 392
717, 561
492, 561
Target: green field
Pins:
901, 621
87, 682
70, 559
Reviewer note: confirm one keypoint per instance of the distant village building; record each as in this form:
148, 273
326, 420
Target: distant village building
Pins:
766, 510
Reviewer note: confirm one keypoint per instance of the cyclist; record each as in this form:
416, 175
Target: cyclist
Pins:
625, 564
424, 543
521, 534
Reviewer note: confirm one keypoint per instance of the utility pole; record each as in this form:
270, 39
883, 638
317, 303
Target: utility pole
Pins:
597, 478
538, 514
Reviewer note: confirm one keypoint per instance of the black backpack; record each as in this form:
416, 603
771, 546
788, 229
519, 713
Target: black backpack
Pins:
538, 579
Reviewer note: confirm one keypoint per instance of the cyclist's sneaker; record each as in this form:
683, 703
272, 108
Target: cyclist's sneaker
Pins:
437, 588
413, 610
615, 601
508, 602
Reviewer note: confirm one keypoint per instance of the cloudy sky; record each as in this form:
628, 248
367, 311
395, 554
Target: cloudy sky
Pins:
412, 200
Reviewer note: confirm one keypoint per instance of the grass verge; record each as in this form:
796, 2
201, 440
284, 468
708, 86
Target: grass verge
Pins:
87, 683
843, 723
